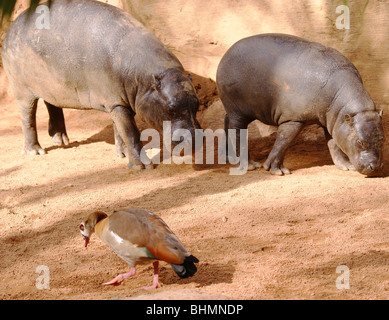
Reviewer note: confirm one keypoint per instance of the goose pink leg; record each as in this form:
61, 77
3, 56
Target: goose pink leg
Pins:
156, 283
120, 278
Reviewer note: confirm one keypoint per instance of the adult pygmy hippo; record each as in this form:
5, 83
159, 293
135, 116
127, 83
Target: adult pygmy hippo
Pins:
96, 56
289, 82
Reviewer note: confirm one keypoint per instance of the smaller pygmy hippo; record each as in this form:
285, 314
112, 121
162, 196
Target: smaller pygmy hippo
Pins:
289, 82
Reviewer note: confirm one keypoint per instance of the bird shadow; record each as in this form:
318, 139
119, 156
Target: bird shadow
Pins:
207, 274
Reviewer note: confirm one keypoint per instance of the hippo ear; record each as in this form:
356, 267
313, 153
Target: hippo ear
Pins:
380, 110
156, 82
348, 119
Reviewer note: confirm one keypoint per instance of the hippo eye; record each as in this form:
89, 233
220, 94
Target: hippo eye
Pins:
82, 227
156, 82
362, 144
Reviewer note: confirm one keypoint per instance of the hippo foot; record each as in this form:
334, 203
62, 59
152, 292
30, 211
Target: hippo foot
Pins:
149, 166
139, 166
61, 139
253, 165
120, 151
136, 166
275, 168
345, 166
120, 154
342, 163
34, 150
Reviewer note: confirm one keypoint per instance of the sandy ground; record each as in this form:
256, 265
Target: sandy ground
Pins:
257, 236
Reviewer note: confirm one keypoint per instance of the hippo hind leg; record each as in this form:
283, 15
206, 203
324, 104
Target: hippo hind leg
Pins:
238, 124
28, 108
285, 135
57, 129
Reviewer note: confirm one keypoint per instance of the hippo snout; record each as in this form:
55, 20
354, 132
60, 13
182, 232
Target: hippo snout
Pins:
372, 168
370, 163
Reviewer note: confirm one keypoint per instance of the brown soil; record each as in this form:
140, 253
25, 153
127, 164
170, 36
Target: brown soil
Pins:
257, 236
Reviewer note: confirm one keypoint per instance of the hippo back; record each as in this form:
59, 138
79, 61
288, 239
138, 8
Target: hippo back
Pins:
89, 55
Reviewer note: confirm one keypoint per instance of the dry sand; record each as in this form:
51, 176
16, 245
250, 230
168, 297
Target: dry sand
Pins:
257, 236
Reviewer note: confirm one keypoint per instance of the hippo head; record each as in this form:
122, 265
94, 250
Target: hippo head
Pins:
171, 97
361, 138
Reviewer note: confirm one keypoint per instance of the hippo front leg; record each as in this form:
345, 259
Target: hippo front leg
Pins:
339, 158
127, 137
119, 143
286, 133
57, 129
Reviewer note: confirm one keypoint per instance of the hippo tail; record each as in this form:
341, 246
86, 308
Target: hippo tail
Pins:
186, 269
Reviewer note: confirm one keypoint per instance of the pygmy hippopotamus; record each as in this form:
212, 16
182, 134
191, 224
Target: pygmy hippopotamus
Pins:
96, 56
289, 82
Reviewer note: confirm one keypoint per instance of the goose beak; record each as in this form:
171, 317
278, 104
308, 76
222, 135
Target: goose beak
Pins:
86, 241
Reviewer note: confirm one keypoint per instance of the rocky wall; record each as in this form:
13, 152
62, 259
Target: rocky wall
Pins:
200, 31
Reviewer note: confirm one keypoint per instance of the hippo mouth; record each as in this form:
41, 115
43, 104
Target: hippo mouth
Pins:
86, 239
375, 173
372, 171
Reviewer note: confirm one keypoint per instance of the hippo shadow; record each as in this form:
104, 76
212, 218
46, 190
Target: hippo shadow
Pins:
308, 150
105, 135
301, 154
